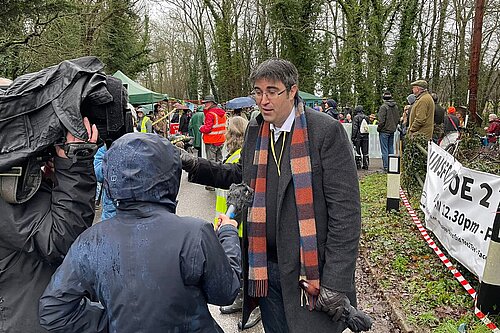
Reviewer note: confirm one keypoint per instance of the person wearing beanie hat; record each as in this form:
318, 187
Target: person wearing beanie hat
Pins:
388, 119
360, 137
422, 111
451, 125
386, 96
332, 108
451, 122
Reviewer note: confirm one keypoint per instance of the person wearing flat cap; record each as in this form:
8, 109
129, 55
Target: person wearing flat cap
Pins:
422, 111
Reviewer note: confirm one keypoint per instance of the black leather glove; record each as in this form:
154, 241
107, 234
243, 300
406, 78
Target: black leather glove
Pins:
357, 320
189, 161
333, 303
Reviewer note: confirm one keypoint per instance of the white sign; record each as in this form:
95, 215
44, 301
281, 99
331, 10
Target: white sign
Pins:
460, 206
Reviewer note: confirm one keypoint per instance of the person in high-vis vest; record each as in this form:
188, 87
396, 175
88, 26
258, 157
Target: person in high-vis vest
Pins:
213, 130
144, 124
234, 142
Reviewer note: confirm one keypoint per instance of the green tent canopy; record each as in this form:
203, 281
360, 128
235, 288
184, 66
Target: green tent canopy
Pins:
138, 94
309, 99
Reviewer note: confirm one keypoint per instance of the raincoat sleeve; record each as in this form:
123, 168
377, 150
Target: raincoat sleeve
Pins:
355, 128
71, 208
65, 306
53, 218
99, 155
382, 118
209, 123
216, 265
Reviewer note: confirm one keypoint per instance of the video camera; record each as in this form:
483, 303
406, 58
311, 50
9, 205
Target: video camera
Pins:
36, 111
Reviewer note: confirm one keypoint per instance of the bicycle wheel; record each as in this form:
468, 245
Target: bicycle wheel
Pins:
452, 148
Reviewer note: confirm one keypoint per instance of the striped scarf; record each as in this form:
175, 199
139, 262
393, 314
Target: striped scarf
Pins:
302, 180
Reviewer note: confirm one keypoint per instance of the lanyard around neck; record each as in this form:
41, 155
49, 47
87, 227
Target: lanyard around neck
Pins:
278, 160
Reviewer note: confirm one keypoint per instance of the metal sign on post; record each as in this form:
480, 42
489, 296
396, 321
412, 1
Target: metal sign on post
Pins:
393, 183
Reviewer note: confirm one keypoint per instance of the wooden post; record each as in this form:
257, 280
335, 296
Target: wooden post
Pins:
475, 58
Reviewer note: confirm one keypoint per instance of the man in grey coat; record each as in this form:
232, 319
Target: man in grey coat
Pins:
325, 180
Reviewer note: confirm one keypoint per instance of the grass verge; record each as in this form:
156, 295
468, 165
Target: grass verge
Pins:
430, 298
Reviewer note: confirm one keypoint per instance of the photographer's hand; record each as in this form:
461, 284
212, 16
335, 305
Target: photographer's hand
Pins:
70, 138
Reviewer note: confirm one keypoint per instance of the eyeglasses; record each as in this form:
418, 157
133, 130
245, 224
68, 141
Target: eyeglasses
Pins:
271, 94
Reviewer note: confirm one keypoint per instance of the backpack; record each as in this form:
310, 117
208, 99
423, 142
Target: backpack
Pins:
363, 129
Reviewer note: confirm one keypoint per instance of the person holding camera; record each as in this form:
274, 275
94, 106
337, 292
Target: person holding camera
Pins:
151, 270
37, 234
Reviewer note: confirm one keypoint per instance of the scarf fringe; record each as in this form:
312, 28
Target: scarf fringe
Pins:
257, 288
307, 300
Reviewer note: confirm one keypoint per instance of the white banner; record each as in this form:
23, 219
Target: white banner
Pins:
460, 205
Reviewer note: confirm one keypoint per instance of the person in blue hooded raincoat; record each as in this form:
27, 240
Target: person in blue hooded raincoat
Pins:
150, 270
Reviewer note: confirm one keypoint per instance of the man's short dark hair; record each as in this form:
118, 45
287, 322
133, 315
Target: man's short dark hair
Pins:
275, 69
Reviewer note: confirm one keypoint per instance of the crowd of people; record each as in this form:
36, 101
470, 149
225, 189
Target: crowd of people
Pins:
291, 255
287, 260
422, 114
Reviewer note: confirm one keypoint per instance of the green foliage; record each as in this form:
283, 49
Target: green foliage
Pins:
400, 264
469, 322
473, 156
23, 24
414, 164
294, 21
404, 53
37, 34
423, 319
123, 45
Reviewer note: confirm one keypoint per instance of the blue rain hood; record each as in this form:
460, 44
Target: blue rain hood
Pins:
142, 167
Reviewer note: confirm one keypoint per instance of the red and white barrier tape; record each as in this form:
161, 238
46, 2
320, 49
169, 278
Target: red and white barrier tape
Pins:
446, 262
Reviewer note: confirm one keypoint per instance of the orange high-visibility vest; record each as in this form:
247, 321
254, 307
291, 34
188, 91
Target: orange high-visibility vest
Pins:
218, 132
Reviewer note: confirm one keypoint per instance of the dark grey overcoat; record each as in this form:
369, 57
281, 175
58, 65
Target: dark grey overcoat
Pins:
337, 213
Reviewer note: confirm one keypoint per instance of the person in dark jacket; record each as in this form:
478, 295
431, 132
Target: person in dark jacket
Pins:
151, 270
184, 122
195, 123
331, 109
388, 119
451, 122
360, 137
37, 234
439, 114
293, 231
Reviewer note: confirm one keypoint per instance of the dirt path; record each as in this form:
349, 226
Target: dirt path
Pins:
370, 297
